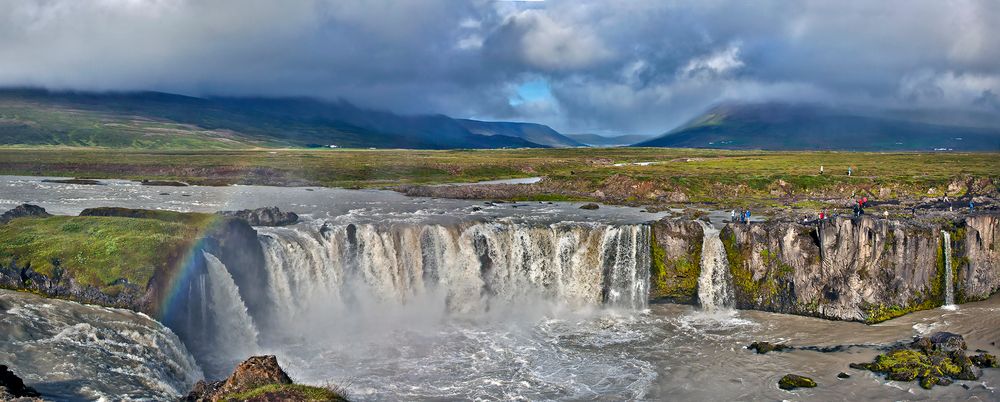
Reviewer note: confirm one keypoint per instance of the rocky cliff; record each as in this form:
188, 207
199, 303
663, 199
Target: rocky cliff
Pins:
978, 264
864, 269
676, 261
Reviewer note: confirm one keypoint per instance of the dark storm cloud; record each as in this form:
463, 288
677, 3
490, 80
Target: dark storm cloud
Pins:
611, 66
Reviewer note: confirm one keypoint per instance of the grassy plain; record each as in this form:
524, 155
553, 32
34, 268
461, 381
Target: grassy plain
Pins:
98, 250
674, 176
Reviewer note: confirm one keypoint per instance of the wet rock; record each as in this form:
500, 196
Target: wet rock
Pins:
794, 381
843, 375
259, 378
476, 209
268, 216
11, 386
985, 360
764, 347
169, 183
590, 206
23, 210
88, 182
947, 341
933, 360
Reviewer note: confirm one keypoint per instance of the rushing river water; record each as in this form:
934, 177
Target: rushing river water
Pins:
400, 298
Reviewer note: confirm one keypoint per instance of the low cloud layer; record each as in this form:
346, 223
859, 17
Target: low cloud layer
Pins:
610, 67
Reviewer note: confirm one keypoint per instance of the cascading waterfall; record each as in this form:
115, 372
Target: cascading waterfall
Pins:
715, 281
949, 286
461, 269
236, 336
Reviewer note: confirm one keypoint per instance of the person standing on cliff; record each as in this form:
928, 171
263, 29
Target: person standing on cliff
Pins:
971, 205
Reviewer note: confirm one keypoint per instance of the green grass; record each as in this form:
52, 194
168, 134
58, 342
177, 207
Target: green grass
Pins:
99, 250
736, 177
295, 392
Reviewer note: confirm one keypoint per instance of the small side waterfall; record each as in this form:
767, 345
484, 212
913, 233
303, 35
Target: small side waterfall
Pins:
715, 281
236, 336
949, 286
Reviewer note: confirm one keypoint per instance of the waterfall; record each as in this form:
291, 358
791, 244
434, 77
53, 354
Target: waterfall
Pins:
715, 282
949, 286
460, 269
230, 323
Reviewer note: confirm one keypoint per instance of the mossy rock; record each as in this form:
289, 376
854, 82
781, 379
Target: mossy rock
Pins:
934, 360
794, 381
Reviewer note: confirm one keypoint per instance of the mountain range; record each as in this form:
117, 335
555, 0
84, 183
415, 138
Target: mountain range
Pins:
782, 126
168, 121
160, 120
595, 140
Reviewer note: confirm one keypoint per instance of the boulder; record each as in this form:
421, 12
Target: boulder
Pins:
23, 210
793, 381
268, 216
11, 386
259, 378
933, 360
256, 371
590, 206
764, 347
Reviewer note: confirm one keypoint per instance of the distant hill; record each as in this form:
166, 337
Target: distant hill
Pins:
160, 120
610, 141
777, 126
536, 133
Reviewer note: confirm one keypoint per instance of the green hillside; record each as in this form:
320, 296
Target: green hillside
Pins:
166, 121
774, 126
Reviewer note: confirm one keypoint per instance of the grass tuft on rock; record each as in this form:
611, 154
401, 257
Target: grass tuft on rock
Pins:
286, 392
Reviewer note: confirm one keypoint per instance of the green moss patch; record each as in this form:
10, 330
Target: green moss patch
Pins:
285, 392
99, 250
674, 279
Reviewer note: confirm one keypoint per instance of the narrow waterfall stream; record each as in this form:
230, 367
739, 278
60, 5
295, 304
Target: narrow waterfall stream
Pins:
715, 291
949, 286
232, 325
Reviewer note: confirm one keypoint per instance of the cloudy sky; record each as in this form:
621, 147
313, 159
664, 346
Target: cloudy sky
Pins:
606, 67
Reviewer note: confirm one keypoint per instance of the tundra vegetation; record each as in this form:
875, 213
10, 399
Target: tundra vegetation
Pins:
611, 175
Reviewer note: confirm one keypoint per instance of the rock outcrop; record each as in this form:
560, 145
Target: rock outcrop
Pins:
259, 378
861, 269
21, 211
12, 388
676, 261
269, 216
938, 359
793, 381
978, 257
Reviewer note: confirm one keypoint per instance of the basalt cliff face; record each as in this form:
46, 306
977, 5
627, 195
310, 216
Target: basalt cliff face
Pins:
862, 269
676, 261
978, 267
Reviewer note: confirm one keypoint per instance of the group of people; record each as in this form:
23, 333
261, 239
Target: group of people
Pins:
744, 216
859, 208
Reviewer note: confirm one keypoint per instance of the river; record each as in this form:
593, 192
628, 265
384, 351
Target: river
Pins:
401, 298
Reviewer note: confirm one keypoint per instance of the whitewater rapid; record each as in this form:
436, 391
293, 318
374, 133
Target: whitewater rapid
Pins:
69, 351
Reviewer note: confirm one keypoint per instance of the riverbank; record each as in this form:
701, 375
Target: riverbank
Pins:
654, 177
